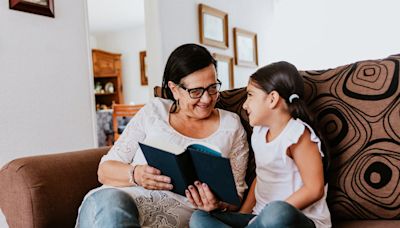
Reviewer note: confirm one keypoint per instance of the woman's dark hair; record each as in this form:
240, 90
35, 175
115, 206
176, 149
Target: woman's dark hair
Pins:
183, 61
284, 78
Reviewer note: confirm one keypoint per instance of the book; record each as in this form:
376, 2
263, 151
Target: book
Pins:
197, 161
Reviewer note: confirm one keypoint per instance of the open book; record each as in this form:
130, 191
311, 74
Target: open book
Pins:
196, 162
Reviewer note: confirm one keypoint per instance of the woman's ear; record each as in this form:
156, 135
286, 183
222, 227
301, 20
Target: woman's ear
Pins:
174, 89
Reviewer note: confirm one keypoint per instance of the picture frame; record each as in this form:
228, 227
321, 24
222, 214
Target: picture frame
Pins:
225, 71
245, 47
41, 7
213, 27
143, 68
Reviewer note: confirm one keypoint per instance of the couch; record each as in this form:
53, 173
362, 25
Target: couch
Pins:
357, 107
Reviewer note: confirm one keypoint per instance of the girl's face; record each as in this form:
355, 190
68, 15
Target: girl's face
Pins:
191, 86
256, 105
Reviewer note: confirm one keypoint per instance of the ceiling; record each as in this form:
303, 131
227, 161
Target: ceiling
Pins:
112, 15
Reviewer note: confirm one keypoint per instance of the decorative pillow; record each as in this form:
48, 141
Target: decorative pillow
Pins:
358, 108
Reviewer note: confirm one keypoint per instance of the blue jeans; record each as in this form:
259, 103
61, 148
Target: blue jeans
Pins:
276, 214
109, 208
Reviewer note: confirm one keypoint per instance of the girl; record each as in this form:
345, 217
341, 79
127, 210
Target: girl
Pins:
289, 189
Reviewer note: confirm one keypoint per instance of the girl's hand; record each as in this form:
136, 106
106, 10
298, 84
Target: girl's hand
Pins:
201, 197
151, 178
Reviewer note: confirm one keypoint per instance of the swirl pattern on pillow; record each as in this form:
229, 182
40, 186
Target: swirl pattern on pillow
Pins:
357, 107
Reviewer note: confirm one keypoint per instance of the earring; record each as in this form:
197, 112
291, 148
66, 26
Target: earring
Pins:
177, 104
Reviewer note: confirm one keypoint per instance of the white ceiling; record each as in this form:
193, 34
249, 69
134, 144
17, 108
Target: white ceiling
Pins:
112, 15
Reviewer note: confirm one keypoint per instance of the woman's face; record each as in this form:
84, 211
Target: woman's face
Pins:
256, 105
203, 106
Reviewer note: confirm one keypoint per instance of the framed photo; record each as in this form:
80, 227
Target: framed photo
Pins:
213, 27
41, 7
225, 71
143, 68
245, 46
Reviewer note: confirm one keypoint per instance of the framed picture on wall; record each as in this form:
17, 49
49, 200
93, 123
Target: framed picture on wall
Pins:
143, 68
213, 27
245, 47
41, 7
225, 71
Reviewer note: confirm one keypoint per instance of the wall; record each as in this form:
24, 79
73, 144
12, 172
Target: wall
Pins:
320, 34
128, 42
46, 97
312, 34
175, 22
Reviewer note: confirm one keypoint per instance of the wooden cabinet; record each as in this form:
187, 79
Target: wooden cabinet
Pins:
107, 78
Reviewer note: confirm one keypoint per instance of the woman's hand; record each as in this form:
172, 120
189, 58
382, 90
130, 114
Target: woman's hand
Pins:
201, 197
151, 178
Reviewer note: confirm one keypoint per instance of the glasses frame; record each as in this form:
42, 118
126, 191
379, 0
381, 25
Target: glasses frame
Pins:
202, 88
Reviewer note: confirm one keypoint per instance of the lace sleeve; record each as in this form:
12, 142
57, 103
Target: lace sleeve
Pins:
125, 147
238, 158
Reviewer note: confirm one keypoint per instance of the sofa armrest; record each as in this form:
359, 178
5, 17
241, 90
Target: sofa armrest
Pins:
47, 190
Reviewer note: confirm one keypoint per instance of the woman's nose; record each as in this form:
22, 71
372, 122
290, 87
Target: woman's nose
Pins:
205, 97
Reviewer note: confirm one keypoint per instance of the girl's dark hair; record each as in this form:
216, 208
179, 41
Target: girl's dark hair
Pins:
183, 61
284, 78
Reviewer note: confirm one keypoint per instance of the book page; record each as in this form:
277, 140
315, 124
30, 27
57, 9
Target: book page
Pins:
163, 145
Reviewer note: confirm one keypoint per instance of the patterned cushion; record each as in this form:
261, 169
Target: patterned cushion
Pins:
357, 106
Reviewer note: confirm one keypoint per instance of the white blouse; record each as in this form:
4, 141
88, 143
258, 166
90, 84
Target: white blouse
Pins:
277, 174
152, 121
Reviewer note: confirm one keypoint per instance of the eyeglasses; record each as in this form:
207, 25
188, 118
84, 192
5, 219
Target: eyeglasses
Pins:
196, 93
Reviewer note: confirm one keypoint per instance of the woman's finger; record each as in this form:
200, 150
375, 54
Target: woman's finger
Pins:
202, 194
154, 185
209, 195
190, 198
157, 178
152, 170
195, 195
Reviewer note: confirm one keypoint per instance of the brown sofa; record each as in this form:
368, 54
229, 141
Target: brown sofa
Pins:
357, 107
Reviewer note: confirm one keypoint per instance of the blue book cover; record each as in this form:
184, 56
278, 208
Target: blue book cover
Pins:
196, 162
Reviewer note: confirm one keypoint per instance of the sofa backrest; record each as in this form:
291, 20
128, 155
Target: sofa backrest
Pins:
357, 107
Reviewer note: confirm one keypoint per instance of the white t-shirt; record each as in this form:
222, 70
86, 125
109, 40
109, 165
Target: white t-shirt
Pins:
152, 121
277, 174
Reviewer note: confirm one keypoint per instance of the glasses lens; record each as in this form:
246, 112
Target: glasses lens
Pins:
196, 93
213, 89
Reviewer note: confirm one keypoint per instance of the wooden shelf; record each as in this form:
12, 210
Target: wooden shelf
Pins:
106, 76
107, 69
104, 94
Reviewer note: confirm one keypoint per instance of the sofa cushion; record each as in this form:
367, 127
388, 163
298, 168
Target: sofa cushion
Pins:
357, 107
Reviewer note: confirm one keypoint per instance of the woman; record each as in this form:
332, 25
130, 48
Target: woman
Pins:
134, 194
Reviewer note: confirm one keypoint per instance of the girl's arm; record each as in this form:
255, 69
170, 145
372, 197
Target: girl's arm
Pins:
309, 162
250, 201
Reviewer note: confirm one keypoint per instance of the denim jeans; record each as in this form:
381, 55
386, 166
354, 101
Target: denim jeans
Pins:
108, 208
277, 214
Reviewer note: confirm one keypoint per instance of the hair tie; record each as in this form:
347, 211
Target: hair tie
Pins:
292, 97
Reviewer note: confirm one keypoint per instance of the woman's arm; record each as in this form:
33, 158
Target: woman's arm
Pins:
239, 158
250, 201
115, 168
308, 159
123, 175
